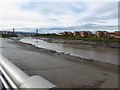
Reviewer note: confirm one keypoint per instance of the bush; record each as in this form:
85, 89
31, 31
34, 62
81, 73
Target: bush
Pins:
89, 38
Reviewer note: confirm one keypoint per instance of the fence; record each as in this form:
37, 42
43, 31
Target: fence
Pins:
13, 77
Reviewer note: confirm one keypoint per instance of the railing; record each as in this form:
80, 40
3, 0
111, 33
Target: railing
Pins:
15, 78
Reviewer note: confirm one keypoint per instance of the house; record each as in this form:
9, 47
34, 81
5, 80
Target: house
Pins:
85, 33
117, 34
70, 33
76, 33
110, 34
60, 33
66, 33
89, 33
101, 33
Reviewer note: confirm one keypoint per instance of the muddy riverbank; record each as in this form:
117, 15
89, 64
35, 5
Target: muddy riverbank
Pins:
101, 54
83, 43
61, 69
77, 59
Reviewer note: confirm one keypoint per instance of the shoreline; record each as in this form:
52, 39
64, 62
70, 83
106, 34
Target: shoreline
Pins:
74, 58
92, 44
69, 54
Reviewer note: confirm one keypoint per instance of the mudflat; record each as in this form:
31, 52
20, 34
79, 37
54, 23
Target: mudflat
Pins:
62, 70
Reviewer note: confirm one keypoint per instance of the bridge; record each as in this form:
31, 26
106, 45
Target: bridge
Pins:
12, 77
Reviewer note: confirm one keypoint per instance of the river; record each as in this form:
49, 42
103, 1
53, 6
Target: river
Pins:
108, 55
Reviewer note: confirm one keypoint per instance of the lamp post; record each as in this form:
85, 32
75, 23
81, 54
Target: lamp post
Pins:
36, 31
13, 31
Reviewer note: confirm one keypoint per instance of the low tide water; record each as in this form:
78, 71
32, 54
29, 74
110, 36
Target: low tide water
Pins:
103, 54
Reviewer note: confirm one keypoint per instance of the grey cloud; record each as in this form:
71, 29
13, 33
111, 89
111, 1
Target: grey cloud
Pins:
103, 13
101, 22
53, 20
111, 15
92, 26
51, 8
107, 7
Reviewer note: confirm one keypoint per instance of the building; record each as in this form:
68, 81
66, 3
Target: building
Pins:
117, 33
70, 33
66, 33
101, 33
89, 33
110, 34
76, 33
60, 33
85, 33
82, 33
5, 32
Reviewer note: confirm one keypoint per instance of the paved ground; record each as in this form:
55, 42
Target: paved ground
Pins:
61, 71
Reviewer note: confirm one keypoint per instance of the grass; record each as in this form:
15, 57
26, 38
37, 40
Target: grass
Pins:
90, 38
69, 37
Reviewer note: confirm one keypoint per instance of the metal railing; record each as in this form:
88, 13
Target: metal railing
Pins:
15, 78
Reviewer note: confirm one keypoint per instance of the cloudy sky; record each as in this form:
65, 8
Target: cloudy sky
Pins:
63, 13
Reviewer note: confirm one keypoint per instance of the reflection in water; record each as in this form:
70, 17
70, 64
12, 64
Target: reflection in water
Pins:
109, 55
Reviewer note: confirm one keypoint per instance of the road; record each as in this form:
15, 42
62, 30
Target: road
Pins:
60, 71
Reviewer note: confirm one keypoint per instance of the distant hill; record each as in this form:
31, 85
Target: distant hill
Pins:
21, 32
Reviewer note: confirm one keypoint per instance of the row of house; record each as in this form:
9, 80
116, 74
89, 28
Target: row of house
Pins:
77, 33
115, 34
89, 33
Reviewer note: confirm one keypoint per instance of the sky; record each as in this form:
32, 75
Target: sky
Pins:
57, 13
